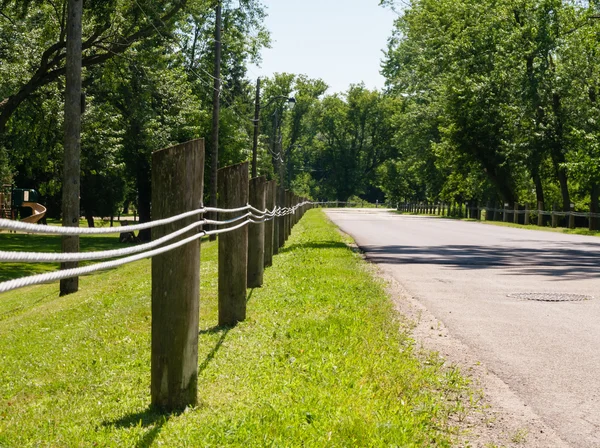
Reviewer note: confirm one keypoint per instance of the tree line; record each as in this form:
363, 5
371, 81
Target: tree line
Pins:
500, 101
484, 101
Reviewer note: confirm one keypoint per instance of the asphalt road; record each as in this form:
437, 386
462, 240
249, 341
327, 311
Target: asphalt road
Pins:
469, 275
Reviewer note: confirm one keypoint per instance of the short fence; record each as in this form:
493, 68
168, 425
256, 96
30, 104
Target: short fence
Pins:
260, 216
517, 213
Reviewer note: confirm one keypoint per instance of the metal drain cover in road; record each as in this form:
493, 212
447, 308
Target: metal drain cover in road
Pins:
550, 297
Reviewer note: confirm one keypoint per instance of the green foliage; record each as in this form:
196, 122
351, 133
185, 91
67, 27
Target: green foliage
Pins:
147, 82
500, 98
353, 139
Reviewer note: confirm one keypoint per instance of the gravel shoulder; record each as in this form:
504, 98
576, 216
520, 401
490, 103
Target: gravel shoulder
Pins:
495, 416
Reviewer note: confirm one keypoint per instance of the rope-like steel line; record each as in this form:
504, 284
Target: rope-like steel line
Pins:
45, 257
76, 272
56, 230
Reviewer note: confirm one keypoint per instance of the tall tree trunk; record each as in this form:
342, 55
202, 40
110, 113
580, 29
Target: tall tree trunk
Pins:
558, 157
214, 163
89, 217
537, 180
144, 187
538, 112
72, 153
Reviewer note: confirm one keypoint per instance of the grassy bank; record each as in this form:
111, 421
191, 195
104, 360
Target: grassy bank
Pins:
577, 231
322, 361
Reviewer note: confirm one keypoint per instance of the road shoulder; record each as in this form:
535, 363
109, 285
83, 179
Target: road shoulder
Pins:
494, 415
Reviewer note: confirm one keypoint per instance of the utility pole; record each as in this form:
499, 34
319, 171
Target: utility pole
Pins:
256, 118
214, 163
72, 150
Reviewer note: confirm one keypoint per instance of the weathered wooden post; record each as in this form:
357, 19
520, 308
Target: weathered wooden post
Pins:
281, 219
554, 216
177, 186
270, 224
572, 216
527, 213
540, 220
256, 234
505, 217
297, 211
276, 222
289, 216
233, 247
516, 213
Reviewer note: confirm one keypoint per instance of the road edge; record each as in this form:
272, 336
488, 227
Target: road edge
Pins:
495, 415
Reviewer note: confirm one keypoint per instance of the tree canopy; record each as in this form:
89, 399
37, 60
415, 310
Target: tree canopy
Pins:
484, 101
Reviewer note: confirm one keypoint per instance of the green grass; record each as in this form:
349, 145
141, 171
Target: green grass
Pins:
322, 360
577, 231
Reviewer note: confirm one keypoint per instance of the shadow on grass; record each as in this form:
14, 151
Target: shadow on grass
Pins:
314, 245
154, 418
210, 356
18, 242
148, 418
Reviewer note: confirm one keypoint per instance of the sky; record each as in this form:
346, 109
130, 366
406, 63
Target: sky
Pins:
339, 41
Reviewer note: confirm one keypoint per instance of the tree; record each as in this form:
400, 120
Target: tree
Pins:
110, 28
72, 152
354, 138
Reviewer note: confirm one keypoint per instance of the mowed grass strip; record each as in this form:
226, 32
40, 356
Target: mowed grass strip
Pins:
547, 228
323, 360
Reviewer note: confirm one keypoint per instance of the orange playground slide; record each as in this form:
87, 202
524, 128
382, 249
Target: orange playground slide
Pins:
39, 211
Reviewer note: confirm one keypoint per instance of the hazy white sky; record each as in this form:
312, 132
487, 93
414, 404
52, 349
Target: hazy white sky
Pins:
339, 41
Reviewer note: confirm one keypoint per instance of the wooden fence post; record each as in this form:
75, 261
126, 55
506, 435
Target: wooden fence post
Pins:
233, 247
540, 221
177, 187
516, 214
288, 220
527, 213
270, 224
295, 215
276, 223
505, 217
256, 234
281, 219
554, 216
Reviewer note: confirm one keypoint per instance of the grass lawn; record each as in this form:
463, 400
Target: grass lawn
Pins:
323, 360
577, 231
